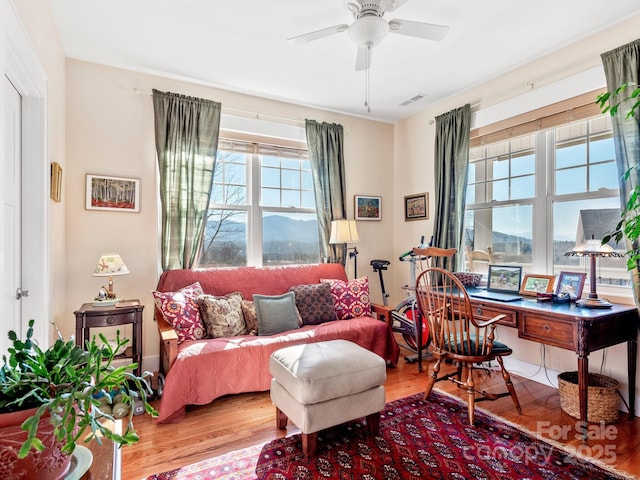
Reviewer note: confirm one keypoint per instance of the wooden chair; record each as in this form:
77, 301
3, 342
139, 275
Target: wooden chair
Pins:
478, 260
457, 336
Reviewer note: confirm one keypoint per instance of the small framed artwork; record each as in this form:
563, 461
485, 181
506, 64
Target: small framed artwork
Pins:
535, 284
416, 207
56, 182
115, 194
571, 283
368, 208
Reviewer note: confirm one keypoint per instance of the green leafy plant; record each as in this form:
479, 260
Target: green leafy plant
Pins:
66, 381
629, 225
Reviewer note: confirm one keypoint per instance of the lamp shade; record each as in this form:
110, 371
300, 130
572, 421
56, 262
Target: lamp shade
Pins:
593, 248
110, 264
344, 231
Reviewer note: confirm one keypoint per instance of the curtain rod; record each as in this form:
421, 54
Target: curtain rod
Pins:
244, 113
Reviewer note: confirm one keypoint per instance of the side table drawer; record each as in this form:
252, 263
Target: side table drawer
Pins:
110, 319
484, 312
550, 332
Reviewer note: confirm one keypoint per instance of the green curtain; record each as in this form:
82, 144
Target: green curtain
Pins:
186, 143
622, 65
325, 143
450, 169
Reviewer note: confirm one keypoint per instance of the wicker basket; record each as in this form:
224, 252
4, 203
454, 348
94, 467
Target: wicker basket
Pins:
602, 397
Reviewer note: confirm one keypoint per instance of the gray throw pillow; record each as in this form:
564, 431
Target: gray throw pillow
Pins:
276, 313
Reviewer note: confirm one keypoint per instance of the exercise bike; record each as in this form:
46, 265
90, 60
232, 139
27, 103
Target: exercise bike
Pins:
405, 316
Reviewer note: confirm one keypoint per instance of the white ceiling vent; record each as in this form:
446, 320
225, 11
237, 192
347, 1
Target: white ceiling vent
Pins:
411, 100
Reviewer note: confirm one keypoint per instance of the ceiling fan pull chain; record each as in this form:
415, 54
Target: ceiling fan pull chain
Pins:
367, 78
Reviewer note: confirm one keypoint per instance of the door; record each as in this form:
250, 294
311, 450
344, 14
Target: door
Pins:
11, 318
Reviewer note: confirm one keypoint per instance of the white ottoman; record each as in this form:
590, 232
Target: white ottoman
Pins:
319, 385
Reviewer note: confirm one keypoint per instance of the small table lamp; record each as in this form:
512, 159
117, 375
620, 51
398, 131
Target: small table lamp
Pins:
345, 231
109, 265
593, 248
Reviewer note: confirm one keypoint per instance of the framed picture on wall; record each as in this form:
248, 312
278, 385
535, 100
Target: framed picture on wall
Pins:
367, 208
115, 194
416, 207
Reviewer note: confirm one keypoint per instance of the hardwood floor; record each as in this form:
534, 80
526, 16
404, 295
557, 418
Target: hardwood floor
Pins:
239, 421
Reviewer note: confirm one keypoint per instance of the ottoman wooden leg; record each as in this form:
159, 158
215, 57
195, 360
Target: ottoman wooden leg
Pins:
373, 423
309, 443
281, 419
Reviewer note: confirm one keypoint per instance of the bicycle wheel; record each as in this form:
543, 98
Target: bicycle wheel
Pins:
410, 338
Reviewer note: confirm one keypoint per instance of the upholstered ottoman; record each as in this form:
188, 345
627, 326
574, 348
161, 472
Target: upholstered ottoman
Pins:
319, 385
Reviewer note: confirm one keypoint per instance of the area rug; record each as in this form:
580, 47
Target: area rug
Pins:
417, 440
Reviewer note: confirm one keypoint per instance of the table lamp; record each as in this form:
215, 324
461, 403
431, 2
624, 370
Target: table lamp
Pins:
345, 231
110, 265
593, 248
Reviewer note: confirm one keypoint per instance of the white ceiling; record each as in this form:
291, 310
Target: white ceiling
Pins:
241, 45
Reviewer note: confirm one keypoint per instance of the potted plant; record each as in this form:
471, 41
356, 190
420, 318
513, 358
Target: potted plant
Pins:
60, 396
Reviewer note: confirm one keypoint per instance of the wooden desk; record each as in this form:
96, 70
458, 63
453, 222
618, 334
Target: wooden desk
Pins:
567, 326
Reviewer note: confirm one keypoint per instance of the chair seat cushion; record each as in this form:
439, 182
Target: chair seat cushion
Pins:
461, 348
317, 372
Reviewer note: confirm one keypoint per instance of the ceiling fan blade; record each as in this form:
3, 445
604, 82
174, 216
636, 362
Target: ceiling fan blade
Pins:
363, 58
391, 5
325, 32
429, 31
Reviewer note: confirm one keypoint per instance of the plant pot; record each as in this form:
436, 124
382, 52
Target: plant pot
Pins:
50, 464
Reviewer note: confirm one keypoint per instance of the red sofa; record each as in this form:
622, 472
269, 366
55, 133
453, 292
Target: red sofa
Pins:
199, 371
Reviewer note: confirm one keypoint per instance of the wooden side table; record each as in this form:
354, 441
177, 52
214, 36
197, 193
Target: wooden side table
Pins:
89, 316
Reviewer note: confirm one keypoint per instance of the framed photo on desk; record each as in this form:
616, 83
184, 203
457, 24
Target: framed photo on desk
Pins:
534, 284
571, 283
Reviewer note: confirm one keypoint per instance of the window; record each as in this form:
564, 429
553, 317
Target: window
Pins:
532, 198
262, 209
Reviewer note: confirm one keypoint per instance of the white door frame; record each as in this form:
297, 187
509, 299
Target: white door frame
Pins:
20, 63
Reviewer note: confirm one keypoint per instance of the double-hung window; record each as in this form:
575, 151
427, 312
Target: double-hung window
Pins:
532, 198
262, 209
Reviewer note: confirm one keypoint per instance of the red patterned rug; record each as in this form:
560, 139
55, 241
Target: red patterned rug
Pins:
417, 440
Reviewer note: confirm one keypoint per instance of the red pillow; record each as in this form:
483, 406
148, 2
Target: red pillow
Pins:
181, 310
351, 298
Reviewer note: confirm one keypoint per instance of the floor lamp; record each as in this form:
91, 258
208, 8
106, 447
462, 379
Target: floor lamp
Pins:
593, 248
345, 231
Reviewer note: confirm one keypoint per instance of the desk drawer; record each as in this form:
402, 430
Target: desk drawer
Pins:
108, 319
485, 312
550, 332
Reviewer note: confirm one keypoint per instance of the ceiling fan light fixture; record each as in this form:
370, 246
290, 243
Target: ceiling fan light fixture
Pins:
368, 31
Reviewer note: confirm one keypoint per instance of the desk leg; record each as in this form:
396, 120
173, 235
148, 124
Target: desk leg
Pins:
583, 388
632, 348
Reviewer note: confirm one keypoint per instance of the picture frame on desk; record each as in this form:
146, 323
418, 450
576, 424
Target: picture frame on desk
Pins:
571, 283
534, 284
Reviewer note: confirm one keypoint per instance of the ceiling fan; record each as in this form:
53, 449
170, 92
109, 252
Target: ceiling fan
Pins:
369, 28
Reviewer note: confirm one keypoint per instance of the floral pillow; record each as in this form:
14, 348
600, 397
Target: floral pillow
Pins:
180, 309
250, 317
222, 316
315, 303
351, 298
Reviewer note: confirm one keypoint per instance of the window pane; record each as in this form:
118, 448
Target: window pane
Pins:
500, 190
571, 180
268, 161
289, 238
291, 179
307, 181
601, 150
308, 200
270, 177
293, 163
291, 198
577, 221
236, 173
506, 230
270, 197
523, 164
225, 239
570, 155
523, 187
500, 168
604, 175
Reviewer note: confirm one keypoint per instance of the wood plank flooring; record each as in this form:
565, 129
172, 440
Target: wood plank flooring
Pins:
239, 421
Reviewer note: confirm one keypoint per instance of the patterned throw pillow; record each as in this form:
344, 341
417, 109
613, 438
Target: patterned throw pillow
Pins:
315, 303
222, 316
351, 298
250, 317
180, 309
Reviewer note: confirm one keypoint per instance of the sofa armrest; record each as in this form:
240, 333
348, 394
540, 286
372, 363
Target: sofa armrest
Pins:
382, 312
168, 344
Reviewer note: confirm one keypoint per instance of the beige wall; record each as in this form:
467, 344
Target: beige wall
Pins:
110, 131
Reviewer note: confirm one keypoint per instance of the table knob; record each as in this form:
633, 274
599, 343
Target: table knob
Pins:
110, 320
